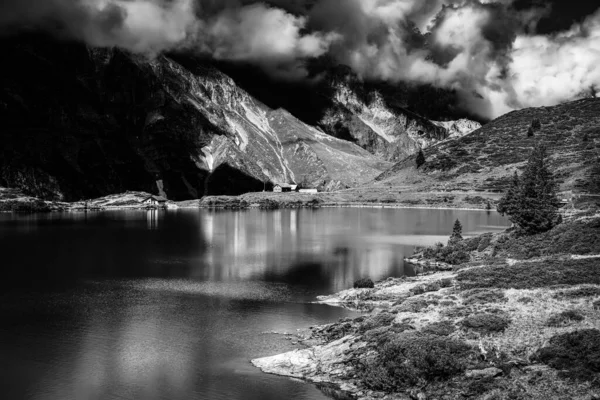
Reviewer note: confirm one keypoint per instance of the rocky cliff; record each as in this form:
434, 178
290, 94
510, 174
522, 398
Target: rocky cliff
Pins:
390, 131
81, 122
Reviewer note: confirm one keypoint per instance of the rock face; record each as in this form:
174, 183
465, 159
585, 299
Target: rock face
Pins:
459, 128
82, 123
390, 132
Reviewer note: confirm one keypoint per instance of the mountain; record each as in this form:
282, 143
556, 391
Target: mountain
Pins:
81, 122
486, 158
389, 131
390, 120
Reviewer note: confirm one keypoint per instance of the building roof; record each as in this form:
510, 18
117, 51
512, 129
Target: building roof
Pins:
284, 185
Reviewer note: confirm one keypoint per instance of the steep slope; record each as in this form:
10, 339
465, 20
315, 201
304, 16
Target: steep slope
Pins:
486, 159
81, 123
389, 131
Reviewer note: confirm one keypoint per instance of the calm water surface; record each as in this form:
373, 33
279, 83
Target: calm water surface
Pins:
173, 305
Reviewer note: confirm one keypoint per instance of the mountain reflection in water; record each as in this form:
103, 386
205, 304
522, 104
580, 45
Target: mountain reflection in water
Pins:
173, 305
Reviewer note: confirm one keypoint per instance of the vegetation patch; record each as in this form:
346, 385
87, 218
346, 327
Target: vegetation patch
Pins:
565, 318
486, 323
530, 275
376, 321
364, 283
454, 254
441, 328
576, 354
412, 306
579, 237
482, 296
586, 291
412, 358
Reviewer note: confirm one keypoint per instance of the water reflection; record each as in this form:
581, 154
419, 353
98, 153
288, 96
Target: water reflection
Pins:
334, 246
172, 305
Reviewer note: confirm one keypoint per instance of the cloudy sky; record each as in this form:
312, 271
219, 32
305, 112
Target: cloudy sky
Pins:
500, 55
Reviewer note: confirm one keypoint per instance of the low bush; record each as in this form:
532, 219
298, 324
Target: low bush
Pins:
412, 358
376, 321
580, 237
565, 318
587, 291
482, 296
486, 323
412, 306
529, 275
453, 254
364, 283
576, 354
441, 328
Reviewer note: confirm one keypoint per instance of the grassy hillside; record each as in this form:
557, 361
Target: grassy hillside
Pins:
486, 158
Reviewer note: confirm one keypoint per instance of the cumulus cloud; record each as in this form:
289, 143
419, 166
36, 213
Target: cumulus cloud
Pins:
487, 50
262, 35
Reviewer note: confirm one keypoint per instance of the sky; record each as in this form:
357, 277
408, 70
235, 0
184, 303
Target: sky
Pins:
499, 55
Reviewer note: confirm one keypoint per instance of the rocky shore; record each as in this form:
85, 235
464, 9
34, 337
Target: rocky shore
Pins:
520, 320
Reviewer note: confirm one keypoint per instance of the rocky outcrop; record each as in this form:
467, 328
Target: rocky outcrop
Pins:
391, 132
459, 128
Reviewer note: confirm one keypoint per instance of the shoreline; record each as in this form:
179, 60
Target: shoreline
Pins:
505, 326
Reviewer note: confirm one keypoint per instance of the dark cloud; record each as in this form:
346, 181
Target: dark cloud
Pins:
511, 53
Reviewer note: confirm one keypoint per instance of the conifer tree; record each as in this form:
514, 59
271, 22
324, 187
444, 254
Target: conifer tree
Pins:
530, 132
536, 124
420, 158
456, 233
531, 202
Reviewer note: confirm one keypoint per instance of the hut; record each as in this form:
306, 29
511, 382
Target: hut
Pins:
154, 201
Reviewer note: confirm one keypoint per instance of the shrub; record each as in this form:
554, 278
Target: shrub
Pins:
536, 124
441, 328
481, 296
457, 257
576, 354
412, 358
530, 132
579, 292
412, 306
420, 159
486, 323
529, 275
376, 321
484, 242
565, 318
364, 283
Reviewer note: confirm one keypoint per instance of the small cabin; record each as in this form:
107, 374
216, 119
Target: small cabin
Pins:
309, 191
282, 187
155, 201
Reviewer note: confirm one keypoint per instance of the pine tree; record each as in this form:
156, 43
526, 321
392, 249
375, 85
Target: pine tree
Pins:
456, 233
420, 158
531, 202
508, 204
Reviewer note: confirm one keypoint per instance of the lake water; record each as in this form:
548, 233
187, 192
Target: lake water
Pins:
173, 305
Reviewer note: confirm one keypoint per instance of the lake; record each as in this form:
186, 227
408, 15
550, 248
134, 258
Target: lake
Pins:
174, 304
